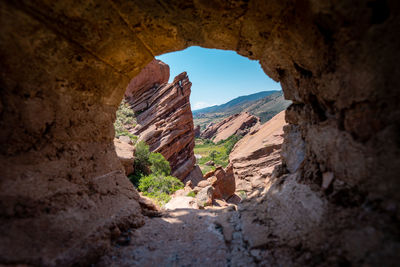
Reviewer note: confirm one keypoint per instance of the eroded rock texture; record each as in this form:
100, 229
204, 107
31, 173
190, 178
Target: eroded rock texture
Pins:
125, 153
238, 124
65, 68
255, 156
164, 117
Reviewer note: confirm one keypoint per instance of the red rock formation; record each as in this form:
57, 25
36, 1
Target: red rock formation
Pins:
164, 118
153, 75
125, 153
65, 68
223, 182
197, 131
238, 124
256, 154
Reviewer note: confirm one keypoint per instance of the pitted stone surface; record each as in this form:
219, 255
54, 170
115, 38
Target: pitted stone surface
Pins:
65, 68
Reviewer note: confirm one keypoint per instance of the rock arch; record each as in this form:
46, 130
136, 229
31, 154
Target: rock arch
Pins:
64, 69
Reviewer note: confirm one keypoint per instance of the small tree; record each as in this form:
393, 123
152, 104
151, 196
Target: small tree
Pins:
213, 154
142, 155
159, 165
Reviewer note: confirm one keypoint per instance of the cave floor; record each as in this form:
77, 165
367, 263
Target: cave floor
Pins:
185, 237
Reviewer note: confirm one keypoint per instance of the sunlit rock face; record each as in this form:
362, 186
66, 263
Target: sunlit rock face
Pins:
237, 124
164, 117
255, 156
65, 68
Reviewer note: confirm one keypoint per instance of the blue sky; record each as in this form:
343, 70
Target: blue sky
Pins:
218, 76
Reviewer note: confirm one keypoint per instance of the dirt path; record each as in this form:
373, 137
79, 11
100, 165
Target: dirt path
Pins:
185, 237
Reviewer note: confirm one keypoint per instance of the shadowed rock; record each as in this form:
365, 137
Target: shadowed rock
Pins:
65, 68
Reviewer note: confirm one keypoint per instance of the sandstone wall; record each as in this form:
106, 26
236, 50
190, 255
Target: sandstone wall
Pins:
238, 124
164, 117
64, 70
255, 156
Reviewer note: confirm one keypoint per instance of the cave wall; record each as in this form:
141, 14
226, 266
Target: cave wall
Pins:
65, 67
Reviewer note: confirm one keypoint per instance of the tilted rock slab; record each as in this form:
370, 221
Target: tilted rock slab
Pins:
239, 124
164, 118
256, 154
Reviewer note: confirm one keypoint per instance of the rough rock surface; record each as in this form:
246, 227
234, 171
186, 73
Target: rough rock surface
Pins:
223, 181
195, 176
65, 68
197, 131
239, 124
185, 237
125, 153
205, 196
153, 75
255, 156
164, 118
181, 202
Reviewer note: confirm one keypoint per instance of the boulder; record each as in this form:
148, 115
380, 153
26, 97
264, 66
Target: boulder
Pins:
223, 182
125, 153
181, 202
203, 183
125, 139
195, 176
205, 196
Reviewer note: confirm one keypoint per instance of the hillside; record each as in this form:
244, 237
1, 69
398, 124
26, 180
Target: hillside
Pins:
264, 105
236, 102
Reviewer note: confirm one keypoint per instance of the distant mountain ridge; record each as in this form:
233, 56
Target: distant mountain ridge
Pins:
236, 101
264, 105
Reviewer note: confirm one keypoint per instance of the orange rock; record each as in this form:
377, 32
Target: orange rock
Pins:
164, 117
203, 183
239, 124
254, 157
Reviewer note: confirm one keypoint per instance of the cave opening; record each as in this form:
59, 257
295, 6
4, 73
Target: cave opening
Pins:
197, 135
64, 71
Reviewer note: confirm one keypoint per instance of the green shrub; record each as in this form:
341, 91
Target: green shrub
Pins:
242, 194
161, 198
159, 165
125, 117
191, 194
152, 175
213, 154
208, 142
142, 155
156, 183
230, 143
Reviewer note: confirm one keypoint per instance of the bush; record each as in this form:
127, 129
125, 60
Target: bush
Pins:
191, 194
230, 143
155, 183
159, 165
152, 175
125, 117
161, 198
208, 142
142, 155
242, 194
